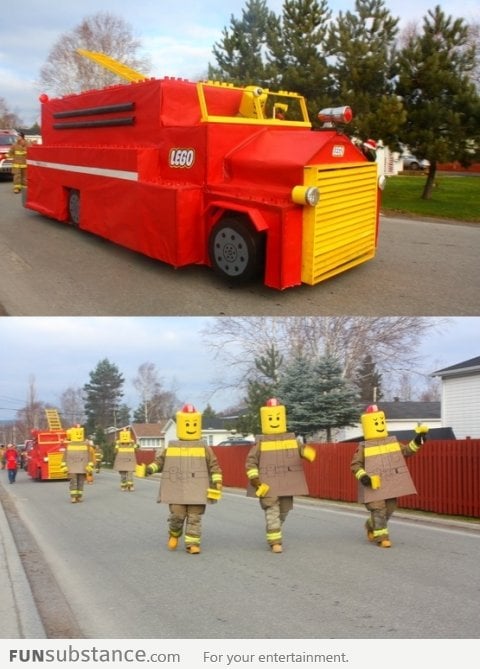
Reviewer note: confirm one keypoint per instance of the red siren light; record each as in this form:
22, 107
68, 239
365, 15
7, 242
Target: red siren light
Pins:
334, 115
43, 98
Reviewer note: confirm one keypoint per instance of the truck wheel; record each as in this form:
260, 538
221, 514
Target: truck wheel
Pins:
74, 206
235, 249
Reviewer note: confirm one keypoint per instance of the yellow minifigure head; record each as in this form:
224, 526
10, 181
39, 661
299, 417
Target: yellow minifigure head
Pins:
189, 423
273, 417
125, 437
76, 433
373, 423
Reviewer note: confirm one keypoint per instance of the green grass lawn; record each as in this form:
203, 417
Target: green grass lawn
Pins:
454, 197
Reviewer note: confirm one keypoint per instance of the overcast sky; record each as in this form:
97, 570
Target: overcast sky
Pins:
61, 352
178, 36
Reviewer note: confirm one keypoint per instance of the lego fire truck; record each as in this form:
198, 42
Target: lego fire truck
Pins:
234, 178
44, 452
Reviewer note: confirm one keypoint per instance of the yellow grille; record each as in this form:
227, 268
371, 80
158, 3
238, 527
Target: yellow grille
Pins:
339, 233
55, 470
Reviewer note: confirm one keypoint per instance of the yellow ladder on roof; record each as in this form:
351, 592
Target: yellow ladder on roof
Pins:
53, 419
113, 65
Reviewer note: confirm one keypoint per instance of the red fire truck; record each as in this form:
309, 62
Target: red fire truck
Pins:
208, 173
7, 140
44, 452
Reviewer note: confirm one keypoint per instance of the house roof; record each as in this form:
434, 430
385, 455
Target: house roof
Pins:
434, 433
410, 410
468, 366
149, 429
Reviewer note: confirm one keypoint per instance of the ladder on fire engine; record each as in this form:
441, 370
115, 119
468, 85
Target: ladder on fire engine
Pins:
53, 419
113, 65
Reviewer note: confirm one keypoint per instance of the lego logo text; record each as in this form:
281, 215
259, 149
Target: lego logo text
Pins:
181, 157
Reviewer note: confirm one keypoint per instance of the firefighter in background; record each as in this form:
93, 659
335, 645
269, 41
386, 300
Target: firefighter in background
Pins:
91, 458
379, 466
275, 470
98, 458
125, 460
18, 153
12, 460
77, 461
191, 478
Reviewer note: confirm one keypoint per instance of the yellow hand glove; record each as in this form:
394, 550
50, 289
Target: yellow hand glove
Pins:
262, 490
309, 453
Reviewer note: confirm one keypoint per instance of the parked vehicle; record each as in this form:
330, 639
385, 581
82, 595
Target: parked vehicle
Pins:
7, 139
236, 441
411, 162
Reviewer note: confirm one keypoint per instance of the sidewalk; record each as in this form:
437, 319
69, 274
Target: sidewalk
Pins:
18, 612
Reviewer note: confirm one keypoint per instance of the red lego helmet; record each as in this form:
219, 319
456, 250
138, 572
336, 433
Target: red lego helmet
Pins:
273, 402
189, 408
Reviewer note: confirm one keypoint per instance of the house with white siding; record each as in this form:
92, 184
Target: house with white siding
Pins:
461, 397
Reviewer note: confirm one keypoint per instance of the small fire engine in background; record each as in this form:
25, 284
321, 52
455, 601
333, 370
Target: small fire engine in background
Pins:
44, 452
208, 173
7, 140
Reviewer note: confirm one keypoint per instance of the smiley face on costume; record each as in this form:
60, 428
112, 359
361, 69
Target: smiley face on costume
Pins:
273, 417
373, 423
189, 423
125, 436
76, 433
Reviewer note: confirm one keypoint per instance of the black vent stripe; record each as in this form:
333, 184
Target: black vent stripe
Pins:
105, 123
90, 111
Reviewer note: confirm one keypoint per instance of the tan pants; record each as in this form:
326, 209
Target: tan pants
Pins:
380, 513
276, 510
191, 516
19, 178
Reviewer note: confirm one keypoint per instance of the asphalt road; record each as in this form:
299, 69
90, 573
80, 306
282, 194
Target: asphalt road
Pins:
114, 573
51, 269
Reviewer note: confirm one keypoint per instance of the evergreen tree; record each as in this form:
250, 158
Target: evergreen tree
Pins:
239, 54
260, 388
209, 412
363, 44
316, 396
435, 82
297, 392
335, 403
297, 52
102, 396
368, 380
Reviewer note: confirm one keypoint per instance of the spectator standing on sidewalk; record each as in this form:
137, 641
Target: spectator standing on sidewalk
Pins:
11, 462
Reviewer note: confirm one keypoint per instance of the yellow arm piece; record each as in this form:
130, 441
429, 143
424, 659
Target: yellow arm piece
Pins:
113, 65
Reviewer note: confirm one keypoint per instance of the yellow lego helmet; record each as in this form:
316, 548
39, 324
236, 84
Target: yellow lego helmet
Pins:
76, 433
373, 423
273, 417
125, 436
189, 423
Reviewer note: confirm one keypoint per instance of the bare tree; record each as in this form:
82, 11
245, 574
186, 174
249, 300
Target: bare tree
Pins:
71, 406
148, 384
8, 119
392, 341
65, 71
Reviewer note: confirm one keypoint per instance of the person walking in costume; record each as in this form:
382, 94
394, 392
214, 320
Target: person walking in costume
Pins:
78, 463
275, 470
191, 477
125, 460
379, 466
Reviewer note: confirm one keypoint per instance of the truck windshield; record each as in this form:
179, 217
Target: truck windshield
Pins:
223, 103
7, 140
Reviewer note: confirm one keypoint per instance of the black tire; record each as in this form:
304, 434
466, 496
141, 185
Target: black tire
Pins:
74, 206
236, 250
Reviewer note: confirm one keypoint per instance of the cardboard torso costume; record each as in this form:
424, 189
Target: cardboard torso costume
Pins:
76, 457
125, 460
384, 458
185, 476
280, 465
